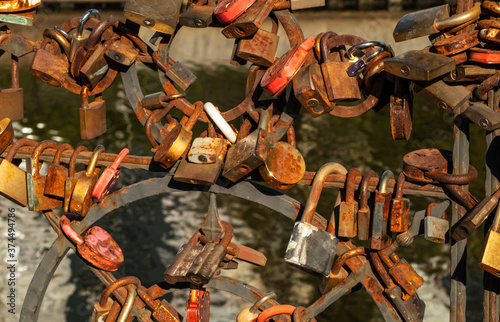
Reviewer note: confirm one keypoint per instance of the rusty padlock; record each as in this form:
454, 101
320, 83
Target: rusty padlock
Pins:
348, 219
198, 14
73, 177
364, 211
402, 272
435, 227
121, 53
97, 246
81, 197
379, 237
6, 133
174, 146
14, 189
37, 200
249, 22
11, 99
401, 109
154, 14
50, 65
108, 177
57, 174
80, 35
400, 208
92, 116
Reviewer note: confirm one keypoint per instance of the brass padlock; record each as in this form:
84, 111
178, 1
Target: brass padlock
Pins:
197, 15
14, 189
339, 85
400, 208
80, 35
154, 14
121, 53
6, 134
92, 116
489, 259
348, 213
11, 99
174, 146
248, 23
37, 200
261, 48
81, 198
57, 174
49, 67
73, 177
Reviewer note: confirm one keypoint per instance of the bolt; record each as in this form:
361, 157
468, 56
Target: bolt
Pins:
443, 105
148, 23
202, 158
312, 103
45, 78
198, 23
484, 123
118, 57
405, 70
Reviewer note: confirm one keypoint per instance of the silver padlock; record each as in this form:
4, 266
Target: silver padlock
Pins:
80, 35
435, 225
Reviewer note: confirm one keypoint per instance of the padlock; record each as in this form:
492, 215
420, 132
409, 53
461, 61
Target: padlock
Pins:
162, 310
489, 259
483, 116
197, 15
261, 48
418, 65
92, 116
250, 152
364, 211
358, 64
249, 22
80, 35
122, 54
14, 189
339, 86
311, 249
101, 310
73, 177
49, 67
348, 213
154, 14
81, 197
251, 313
400, 208
180, 75
95, 68
402, 272
446, 97
108, 177
401, 109
57, 174
37, 200
173, 146
435, 227
6, 134
11, 99
97, 247
198, 305
379, 237
206, 150
61, 37
227, 11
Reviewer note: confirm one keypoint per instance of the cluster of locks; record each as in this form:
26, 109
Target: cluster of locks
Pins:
341, 75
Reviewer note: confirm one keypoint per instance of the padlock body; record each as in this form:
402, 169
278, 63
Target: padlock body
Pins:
77, 41
181, 75
154, 14
56, 180
197, 16
95, 68
49, 68
101, 250
13, 183
173, 146
364, 223
489, 259
37, 200
311, 249
206, 263
339, 86
206, 150
177, 270
93, 120
379, 236
309, 88
406, 277
121, 53
435, 229
12, 104
81, 197
399, 214
348, 223
248, 23
198, 173
260, 49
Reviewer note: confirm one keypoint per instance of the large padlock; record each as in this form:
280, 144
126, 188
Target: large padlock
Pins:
154, 14
73, 177
249, 22
14, 189
419, 65
81, 197
250, 152
97, 246
173, 146
380, 238
57, 174
80, 35
261, 48
11, 99
108, 177
364, 211
435, 227
348, 219
49, 67
311, 249
489, 259
400, 208
92, 116
6, 134
197, 15
37, 200
339, 85
402, 272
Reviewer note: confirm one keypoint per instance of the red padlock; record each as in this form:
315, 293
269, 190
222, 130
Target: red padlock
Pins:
228, 10
484, 56
108, 178
284, 68
198, 306
97, 247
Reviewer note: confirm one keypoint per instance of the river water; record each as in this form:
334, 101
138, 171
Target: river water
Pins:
151, 231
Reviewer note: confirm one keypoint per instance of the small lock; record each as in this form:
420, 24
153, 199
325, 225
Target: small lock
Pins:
197, 16
400, 208
6, 134
122, 54
489, 259
348, 223
73, 177
435, 228
206, 150
249, 22
95, 68
57, 174
364, 211
80, 35
154, 14
180, 75
108, 177
92, 116
311, 249
359, 63
379, 237
97, 246
11, 99
49, 67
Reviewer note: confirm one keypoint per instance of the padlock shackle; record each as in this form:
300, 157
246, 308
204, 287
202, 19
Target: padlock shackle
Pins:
84, 96
92, 13
69, 232
119, 159
155, 116
256, 306
124, 281
317, 187
275, 310
385, 258
97, 32
363, 189
384, 181
93, 160
63, 147
428, 211
350, 184
16, 145
379, 267
337, 266
400, 185
198, 109
72, 160
35, 169
129, 303
228, 233
460, 18
59, 38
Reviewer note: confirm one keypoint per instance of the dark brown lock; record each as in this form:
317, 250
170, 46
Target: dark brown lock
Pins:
261, 48
95, 68
364, 212
50, 65
121, 53
11, 99
348, 223
92, 116
197, 15
6, 133
248, 23
57, 174
401, 109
